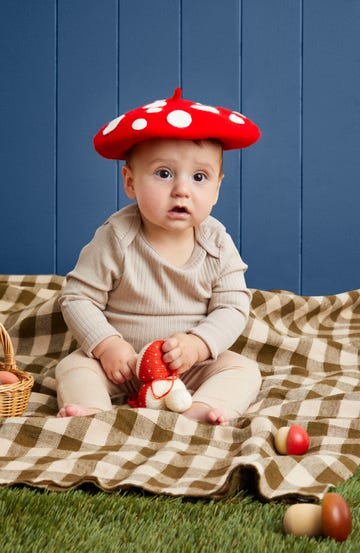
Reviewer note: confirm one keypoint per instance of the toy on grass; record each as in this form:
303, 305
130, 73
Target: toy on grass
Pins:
331, 519
292, 440
162, 388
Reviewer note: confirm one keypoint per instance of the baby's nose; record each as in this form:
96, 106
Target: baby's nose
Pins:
181, 186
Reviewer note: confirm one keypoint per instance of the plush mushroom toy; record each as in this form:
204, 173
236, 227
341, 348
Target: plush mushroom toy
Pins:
162, 388
175, 118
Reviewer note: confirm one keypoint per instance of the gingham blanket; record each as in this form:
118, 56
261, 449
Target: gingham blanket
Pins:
308, 352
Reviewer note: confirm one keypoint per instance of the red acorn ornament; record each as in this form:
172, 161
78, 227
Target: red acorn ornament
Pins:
292, 440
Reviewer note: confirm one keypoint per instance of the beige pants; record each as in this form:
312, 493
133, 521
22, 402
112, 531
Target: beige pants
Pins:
231, 383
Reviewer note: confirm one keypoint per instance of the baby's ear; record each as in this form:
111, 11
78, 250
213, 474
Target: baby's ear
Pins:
128, 181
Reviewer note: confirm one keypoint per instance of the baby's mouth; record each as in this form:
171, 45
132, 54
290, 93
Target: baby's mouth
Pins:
179, 209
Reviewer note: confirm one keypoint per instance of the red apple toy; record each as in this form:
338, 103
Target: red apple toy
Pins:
292, 440
7, 377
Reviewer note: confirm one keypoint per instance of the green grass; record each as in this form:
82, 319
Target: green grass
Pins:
91, 521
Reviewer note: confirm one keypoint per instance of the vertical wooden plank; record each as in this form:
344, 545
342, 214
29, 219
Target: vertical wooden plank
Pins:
331, 146
271, 88
27, 139
211, 75
87, 98
148, 51
149, 56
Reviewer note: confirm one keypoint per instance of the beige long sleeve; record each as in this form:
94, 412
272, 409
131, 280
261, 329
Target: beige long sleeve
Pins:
121, 286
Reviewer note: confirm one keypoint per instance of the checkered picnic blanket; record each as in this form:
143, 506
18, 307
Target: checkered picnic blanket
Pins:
308, 352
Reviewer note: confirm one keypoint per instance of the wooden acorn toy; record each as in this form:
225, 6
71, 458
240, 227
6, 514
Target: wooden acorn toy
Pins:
292, 440
331, 519
162, 388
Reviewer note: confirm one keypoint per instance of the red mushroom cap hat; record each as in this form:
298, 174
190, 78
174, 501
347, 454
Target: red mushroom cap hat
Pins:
175, 118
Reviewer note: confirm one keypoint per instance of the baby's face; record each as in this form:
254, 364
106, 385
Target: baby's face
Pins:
175, 182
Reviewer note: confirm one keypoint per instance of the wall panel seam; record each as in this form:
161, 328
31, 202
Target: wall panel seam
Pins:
117, 69
56, 141
240, 99
180, 46
301, 143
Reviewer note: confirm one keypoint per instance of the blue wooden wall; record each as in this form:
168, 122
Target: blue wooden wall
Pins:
290, 202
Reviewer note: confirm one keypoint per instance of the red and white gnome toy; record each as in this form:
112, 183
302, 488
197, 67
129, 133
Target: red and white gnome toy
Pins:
162, 388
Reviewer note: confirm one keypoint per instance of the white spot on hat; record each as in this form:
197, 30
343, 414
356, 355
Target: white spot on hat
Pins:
154, 110
139, 124
202, 107
113, 124
179, 118
240, 114
235, 118
156, 104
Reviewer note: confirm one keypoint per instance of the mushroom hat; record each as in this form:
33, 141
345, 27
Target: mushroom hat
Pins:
175, 118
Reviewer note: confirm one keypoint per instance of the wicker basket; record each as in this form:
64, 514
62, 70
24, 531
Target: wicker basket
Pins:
13, 397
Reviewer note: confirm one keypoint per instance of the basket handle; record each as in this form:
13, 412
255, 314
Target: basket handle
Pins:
9, 358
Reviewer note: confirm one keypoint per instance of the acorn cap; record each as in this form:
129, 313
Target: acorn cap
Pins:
175, 118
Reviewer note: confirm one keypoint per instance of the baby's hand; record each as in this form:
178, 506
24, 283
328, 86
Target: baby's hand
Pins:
182, 351
117, 358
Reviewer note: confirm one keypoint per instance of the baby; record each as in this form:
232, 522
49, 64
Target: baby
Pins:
162, 268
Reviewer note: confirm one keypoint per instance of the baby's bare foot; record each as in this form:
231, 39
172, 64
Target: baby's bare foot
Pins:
205, 413
74, 410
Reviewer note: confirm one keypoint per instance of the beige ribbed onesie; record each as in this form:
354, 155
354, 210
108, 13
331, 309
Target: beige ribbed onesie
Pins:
122, 286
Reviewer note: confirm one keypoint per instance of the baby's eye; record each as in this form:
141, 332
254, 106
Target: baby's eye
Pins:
199, 177
163, 173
